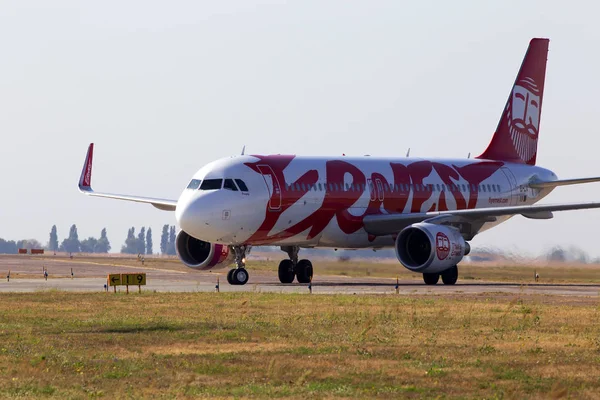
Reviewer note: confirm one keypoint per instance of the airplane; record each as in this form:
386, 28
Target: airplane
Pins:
427, 209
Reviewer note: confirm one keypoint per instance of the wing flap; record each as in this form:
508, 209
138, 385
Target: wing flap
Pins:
85, 186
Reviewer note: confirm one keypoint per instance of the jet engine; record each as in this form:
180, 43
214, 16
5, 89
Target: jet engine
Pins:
201, 255
430, 248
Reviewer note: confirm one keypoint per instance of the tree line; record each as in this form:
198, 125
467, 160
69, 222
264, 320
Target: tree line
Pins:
142, 243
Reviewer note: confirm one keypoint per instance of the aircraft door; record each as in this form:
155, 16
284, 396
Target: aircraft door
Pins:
513, 195
380, 193
371, 186
273, 187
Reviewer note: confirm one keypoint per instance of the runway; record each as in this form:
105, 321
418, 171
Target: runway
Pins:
90, 276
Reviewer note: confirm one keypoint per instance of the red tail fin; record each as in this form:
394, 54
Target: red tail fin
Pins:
516, 136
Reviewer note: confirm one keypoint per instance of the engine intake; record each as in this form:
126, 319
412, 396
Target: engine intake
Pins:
430, 248
201, 255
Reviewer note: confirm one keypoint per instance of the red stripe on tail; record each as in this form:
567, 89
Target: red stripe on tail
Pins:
516, 136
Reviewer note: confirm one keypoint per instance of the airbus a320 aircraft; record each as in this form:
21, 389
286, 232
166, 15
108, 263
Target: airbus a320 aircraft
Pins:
427, 209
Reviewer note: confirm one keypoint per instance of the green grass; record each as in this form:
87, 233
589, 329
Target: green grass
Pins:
70, 345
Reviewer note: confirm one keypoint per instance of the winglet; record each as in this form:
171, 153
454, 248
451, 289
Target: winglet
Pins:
85, 181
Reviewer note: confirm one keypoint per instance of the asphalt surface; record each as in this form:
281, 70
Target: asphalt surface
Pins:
27, 276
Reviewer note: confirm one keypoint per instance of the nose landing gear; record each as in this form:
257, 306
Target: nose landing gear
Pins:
239, 275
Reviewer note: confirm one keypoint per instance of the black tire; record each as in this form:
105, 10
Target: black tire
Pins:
450, 276
304, 271
286, 271
431, 279
240, 276
230, 276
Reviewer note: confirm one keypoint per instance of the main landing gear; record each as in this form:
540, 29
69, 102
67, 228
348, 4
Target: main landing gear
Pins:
302, 270
239, 275
449, 277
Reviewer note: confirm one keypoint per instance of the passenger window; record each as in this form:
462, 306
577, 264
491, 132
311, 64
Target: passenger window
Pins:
194, 184
229, 185
211, 184
489, 188
241, 185
483, 187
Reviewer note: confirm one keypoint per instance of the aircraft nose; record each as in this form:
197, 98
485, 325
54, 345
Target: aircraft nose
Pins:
194, 214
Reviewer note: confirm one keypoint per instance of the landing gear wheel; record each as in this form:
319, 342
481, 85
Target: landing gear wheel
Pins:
431, 279
450, 276
240, 276
304, 271
286, 271
230, 276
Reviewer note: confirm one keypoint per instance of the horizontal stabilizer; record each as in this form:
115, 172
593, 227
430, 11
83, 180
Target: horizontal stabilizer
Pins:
563, 182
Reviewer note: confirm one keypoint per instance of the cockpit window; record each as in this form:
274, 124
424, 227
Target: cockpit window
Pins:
211, 184
242, 185
229, 185
194, 184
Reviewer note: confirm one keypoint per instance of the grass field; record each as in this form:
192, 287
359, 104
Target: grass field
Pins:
70, 345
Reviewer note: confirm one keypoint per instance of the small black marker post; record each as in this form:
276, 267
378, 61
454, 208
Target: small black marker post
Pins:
8, 276
310, 285
397, 286
217, 286
71, 273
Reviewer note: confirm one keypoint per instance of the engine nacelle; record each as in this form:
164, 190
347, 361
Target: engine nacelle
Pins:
201, 255
430, 248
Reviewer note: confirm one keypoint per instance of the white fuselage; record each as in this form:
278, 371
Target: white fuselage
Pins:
318, 201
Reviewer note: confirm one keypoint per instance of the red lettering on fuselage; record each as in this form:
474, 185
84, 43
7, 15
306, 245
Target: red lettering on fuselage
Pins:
345, 184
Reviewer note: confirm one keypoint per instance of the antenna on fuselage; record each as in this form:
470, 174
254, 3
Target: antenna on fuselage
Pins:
243, 149
408, 152
469, 155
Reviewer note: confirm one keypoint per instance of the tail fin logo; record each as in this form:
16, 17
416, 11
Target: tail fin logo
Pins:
524, 117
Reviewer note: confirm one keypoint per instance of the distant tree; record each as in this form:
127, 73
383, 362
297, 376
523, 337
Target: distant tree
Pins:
8, 247
149, 241
131, 243
71, 244
164, 239
53, 242
102, 245
89, 245
557, 254
172, 236
141, 241
29, 244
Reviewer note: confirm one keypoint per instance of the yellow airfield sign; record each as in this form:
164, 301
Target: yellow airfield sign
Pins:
114, 279
133, 279
126, 279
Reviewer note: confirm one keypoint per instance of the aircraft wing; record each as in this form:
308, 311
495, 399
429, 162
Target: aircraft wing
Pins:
468, 221
85, 186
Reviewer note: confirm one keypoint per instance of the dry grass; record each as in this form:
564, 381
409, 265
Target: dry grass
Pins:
71, 345
493, 272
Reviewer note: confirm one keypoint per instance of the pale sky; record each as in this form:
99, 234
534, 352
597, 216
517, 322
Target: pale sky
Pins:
163, 88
